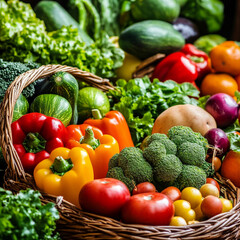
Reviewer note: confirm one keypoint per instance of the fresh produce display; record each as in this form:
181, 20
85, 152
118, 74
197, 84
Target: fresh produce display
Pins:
59, 173
152, 139
35, 136
24, 217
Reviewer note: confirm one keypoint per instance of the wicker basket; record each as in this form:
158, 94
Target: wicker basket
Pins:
76, 224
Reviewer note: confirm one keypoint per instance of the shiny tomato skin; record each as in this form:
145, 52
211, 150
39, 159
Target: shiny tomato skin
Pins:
211, 206
143, 188
104, 196
148, 209
214, 182
172, 192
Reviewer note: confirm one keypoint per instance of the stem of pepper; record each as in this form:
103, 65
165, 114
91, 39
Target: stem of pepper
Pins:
34, 143
96, 114
60, 165
89, 138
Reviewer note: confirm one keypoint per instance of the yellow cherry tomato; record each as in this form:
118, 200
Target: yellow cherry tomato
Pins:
178, 221
192, 195
209, 189
227, 204
183, 209
198, 211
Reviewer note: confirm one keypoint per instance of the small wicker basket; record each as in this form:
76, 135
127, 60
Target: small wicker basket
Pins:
77, 224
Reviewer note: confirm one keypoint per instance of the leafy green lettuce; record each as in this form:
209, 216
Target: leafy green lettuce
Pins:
141, 101
22, 216
24, 38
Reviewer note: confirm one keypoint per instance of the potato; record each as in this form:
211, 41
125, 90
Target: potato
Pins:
184, 115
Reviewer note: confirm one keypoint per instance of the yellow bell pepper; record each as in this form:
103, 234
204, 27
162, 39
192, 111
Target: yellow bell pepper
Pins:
64, 173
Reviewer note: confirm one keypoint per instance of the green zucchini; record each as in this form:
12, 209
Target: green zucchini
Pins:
147, 38
21, 107
165, 10
55, 17
65, 85
53, 105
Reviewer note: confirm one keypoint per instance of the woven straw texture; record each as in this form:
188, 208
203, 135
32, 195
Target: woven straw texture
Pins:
76, 224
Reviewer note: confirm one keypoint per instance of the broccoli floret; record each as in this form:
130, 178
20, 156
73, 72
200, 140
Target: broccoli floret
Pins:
191, 154
208, 169
180, 134
168, 168
154, 152
117, 173
191, 176
9, 71
170, 146
134, 166
113, 162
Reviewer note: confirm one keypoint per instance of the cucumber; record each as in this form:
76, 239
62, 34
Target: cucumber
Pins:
20, 108
66, 85
53, 105
147, 38
55, 17
165, 10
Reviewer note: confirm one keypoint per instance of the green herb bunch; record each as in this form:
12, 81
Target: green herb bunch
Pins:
23, 217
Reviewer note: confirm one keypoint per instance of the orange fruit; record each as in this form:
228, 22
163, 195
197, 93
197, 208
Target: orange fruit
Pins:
218, 83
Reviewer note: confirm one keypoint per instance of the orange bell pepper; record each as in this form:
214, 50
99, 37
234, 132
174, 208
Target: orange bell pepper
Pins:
225, 58
113, 124
100, 147
64, 173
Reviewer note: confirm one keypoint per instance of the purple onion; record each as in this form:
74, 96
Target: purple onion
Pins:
223, 108
218, 138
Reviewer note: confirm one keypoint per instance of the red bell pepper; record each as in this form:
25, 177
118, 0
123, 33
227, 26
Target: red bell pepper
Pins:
35, 136
113, 124
186, 65
200, 58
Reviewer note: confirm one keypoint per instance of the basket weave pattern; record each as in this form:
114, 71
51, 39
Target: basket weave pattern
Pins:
77, 224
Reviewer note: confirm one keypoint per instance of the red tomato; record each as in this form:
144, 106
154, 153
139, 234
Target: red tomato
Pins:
143, 188
172, 192
211, 206
214, 182
148, 209
104, 196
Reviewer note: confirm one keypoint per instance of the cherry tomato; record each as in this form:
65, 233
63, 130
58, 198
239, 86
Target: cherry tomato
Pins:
104, 196
192, 195
178, 221
214, 182
172, 192
216, 162
211, 206
183, 209
143, 188
148, 209
209, 189
198, 211
227, 204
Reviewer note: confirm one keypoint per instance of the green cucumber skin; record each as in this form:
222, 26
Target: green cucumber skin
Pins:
53, 105
66, 85
21, 107
55, 17
147, 38
165, 10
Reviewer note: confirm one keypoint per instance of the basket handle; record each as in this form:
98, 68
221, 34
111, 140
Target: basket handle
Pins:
13, 92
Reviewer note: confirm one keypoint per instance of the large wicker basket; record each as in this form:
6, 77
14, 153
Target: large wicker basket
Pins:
76, 224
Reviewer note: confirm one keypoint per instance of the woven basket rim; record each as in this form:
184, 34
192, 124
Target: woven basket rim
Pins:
77, 224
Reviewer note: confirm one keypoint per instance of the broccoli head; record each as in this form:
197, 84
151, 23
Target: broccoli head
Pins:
191, 176
170, 146
154, 152
191, 153
117, 173
134, 166
180, 134
168, 168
